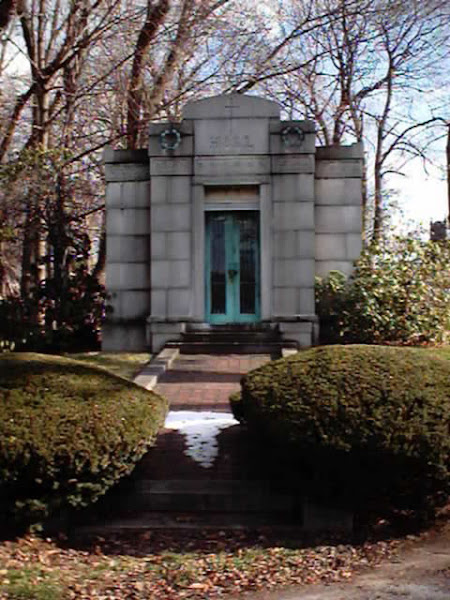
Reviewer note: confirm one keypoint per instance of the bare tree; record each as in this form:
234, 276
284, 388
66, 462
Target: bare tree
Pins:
92, 81
156, 14
53, 38
367, 66
411, 47
7, 10
99, 70
187, 18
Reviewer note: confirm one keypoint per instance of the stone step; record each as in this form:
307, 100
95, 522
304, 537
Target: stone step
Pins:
280, 522
216, 496
236, 327
306, 517
239, 338
248, 337
236, 347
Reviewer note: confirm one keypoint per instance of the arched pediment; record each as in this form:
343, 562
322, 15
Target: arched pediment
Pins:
227, 106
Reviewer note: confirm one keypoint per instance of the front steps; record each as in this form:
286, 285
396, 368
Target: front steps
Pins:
258, 338
213, 496
169, 490
226, 504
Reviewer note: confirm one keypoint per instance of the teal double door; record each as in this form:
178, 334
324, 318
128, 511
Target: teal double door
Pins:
232, 267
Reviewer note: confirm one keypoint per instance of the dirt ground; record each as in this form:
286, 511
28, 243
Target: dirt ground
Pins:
420, 572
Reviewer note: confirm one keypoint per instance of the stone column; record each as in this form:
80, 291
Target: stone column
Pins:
292, 149
338, 208
170, 152
127, 250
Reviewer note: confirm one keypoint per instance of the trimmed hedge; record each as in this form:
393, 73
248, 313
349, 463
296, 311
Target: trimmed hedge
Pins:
374, 419
68, 431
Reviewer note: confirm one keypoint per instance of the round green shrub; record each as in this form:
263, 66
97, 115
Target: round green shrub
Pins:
68, 431
375, 419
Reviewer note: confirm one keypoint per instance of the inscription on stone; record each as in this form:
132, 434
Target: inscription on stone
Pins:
231, 166
231, 136
232, 143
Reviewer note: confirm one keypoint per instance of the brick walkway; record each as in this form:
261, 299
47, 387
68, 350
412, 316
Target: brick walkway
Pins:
205, 382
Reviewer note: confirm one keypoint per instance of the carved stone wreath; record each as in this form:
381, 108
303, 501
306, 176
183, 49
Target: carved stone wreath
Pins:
170, 139
292, 137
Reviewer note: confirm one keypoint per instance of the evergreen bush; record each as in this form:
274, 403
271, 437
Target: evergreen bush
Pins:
372, 420
68, 431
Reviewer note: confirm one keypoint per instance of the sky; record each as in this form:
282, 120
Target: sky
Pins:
422, 197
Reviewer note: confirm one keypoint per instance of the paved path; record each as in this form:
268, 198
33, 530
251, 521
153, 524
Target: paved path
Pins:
205, 382
420, 572
194, 383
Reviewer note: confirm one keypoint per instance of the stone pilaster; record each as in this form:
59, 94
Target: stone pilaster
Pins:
127, 249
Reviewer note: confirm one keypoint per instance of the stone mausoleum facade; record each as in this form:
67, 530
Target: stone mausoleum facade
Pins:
226, 219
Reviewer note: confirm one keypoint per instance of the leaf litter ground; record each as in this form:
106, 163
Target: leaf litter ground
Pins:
175, 564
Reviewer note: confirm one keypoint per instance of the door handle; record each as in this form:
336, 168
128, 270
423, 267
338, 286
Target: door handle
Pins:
232, 273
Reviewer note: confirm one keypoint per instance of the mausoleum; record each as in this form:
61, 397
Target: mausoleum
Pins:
224, 221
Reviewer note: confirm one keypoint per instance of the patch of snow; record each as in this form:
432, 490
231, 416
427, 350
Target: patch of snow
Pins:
200, 429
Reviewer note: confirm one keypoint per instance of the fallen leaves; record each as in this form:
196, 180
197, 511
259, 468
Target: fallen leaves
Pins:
154, 565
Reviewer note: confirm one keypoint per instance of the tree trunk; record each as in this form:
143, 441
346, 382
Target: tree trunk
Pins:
155, 17
378, 181
58, 242
7, 9
448, 171
364, 205
99, 270
381, 156
40, 136
378, 206
34, 243
25, 280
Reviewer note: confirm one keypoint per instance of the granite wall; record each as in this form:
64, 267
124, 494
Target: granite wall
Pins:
234, 153
127, 249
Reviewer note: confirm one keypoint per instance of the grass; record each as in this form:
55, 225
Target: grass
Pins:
125, 364
440, 352
31, 583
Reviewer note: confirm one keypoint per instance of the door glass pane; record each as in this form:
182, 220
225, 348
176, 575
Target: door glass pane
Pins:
218, 270
248, 232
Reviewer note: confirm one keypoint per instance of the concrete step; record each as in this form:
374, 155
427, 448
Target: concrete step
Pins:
236, 347
215, 496
239, 338
227, 337
275, 523
305, 516
237, 327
